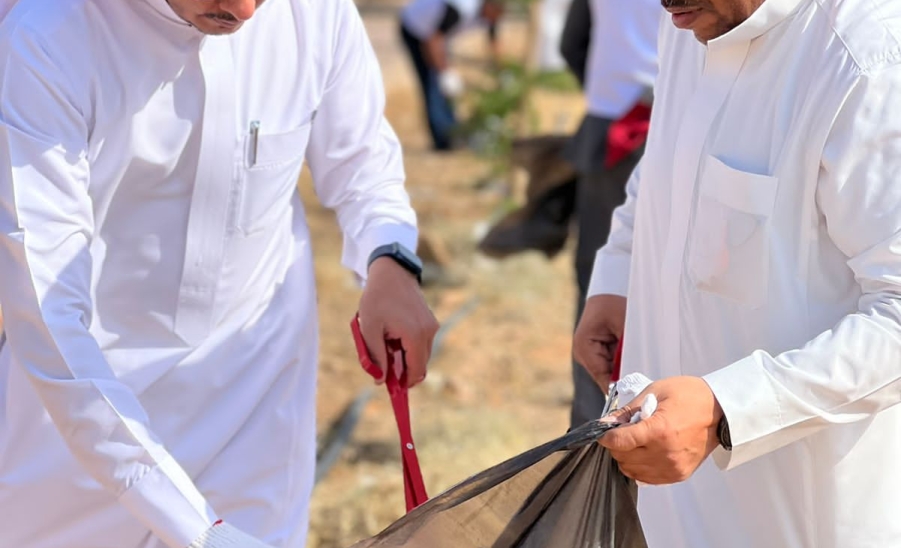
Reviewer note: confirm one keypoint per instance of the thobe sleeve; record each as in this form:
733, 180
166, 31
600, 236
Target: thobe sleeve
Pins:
354, 155
46, 230
852, 371
612, 264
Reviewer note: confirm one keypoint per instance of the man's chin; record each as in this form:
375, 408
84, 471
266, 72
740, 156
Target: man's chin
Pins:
704, 34
214, 28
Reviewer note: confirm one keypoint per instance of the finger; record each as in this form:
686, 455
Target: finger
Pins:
667, 467
624, 414
629, 437
601, 378
603, 383
430, 331
644, 474
588, 347
416, 352
641, 456
374, 335
596, 363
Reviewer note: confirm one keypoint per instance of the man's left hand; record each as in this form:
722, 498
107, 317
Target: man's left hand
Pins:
671, 444
393, 307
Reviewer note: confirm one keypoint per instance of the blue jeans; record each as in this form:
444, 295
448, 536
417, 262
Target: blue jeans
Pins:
438, 108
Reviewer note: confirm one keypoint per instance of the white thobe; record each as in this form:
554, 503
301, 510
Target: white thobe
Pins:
158, 288
622, 56
423, 17
760, 248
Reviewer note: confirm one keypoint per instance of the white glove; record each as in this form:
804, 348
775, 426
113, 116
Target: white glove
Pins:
450, 83
224, 535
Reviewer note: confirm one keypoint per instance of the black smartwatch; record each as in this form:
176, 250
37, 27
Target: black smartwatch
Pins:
722, 434
402, 256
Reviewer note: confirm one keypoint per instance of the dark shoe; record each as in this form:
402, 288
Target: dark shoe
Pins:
516, 234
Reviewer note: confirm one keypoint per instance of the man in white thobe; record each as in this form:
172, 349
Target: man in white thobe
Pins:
426, 28
760, 251
159, 374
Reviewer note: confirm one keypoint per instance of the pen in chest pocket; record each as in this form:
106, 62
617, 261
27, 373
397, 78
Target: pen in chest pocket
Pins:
254, 142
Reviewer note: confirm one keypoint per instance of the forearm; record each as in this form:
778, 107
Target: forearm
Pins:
576, 38
846, 374
435, 52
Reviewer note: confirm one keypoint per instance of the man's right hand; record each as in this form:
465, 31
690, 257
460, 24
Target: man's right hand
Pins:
598, 334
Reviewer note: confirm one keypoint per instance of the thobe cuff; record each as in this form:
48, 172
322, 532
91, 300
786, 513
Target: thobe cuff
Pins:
610, 275
357, 257
166, 501
747, 397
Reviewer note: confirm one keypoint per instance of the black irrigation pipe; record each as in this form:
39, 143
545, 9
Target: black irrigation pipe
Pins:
339, 433
458, 316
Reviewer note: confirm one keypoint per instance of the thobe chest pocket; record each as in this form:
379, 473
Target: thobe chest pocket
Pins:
729, 247
272, 163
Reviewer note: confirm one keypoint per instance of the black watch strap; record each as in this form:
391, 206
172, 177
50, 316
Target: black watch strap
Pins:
402, 256
723, 435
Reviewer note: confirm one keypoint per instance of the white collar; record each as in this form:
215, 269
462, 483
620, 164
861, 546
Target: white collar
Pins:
163, 8
767, 16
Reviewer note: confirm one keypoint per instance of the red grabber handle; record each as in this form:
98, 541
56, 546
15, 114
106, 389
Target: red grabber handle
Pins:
617, 362
414, 486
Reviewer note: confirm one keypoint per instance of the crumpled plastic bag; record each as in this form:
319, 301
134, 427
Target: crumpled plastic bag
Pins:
629, 387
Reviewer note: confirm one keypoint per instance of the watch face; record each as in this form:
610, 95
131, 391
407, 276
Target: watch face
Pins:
409, 256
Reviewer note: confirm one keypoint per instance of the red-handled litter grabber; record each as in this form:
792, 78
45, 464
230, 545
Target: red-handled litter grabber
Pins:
414, 487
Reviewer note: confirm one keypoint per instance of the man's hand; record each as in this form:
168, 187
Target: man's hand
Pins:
598, 334
671, 444
393, 307
451, 83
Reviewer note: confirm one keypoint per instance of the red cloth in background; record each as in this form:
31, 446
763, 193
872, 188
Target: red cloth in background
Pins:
627, 134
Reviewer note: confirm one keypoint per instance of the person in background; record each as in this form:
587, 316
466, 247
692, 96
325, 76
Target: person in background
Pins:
611, 48
426, 28
158, 378
754, 272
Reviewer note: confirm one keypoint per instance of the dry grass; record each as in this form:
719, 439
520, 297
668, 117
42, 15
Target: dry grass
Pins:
500, 384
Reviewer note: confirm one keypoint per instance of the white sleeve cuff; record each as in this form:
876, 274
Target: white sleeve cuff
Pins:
356, 257
610, 275
224, 535
746, 396
166, 501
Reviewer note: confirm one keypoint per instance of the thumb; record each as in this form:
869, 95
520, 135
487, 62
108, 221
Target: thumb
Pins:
374, 335
628, 437
619, 439
416, 354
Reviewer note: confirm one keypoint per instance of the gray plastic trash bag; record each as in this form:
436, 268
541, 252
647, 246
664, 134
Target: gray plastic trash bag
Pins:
567, 493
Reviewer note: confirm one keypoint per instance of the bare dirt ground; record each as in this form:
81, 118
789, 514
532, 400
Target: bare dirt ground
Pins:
500, 381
